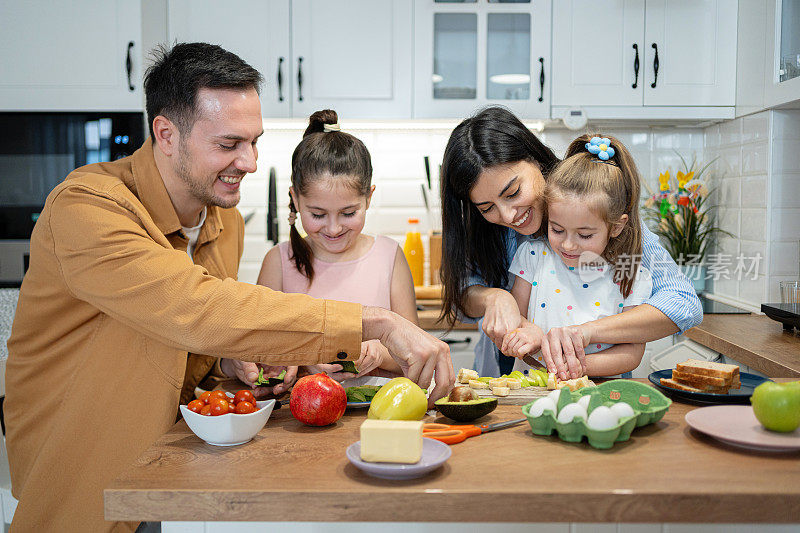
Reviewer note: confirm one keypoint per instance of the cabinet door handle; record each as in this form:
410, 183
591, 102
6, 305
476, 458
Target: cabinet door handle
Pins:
465, 340
655, 67
299, 79
280, 79
129, 65
635, 67
541, 79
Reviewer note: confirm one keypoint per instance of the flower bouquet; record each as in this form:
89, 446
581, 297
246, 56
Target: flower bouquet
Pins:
682, 217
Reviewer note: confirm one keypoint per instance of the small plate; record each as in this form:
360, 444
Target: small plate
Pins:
434, 454
358, 405
362, 380
737, 425
739, 396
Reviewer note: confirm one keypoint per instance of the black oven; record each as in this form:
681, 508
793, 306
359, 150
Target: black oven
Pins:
37, 151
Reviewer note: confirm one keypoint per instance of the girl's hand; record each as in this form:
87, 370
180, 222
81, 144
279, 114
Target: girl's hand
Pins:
333, 370
372, 353
501, 316
562, 349
522, 341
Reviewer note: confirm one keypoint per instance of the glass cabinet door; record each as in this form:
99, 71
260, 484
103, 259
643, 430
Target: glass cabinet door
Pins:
789, 59
508, 56
455, 55
472, 54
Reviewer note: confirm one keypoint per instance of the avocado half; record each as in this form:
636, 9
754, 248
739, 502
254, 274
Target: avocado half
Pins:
466, 411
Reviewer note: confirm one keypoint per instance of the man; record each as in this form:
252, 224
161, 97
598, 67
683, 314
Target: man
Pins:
133, 265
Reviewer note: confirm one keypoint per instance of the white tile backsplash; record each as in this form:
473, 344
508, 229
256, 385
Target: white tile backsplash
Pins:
766, 149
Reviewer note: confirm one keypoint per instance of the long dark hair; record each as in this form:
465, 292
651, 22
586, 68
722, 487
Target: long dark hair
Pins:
325, 154
615, 185
494, 136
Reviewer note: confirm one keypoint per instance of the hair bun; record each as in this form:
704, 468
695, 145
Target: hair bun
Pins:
317, 121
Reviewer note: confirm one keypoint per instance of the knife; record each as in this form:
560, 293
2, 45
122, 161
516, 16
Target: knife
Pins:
530, 360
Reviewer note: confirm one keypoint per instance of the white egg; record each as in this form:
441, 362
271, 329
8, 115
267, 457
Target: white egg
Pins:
584, 401
541, 405
570, 411
553, 395
601, 418
622, 409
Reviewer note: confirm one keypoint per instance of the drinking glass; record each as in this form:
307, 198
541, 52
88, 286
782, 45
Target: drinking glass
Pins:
790, 292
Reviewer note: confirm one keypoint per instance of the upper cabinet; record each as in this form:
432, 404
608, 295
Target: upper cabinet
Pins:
261, 37
645, 58
471, 54
353, 56
62, 63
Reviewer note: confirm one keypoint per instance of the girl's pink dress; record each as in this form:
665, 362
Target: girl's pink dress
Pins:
366, 280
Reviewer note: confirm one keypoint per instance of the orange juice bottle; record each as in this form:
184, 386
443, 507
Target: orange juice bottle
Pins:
414, 253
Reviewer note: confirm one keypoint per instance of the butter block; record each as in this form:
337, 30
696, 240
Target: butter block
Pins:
391, 441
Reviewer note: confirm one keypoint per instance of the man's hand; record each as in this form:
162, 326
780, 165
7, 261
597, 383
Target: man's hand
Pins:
501, 316
333, 370
372, 353
562, 350
247, 373
418, 353
522, 341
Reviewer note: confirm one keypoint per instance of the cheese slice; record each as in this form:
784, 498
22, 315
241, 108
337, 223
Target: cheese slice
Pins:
391, 441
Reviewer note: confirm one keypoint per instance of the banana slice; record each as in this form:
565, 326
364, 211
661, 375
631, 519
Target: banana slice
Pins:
514, 383
475, 384
501, 391
466, 374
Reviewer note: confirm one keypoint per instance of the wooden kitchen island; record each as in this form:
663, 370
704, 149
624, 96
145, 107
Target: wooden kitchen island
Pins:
666, 472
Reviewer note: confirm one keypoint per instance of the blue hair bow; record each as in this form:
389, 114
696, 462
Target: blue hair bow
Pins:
601, 148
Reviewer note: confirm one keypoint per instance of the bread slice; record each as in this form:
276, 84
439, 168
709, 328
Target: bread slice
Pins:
700, 381
671, 383
708, 368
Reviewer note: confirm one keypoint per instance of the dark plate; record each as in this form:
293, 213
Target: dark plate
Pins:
742, 395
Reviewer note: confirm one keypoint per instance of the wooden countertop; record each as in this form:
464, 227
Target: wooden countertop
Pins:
754, 340
664, 473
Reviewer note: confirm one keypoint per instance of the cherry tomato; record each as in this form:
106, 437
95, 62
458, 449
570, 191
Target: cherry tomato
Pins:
217, 394
244, 396
220, 408
204, 396
196, 405
243, 408
206, 410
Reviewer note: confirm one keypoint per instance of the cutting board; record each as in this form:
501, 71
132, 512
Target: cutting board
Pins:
516, 396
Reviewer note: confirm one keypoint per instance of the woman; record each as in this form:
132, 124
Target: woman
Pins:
493, 178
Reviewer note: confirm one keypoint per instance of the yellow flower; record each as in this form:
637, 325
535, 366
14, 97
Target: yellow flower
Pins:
663, 180
684, 178
663, 225
678, 220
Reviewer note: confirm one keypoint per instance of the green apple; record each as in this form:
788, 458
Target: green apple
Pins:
777, 405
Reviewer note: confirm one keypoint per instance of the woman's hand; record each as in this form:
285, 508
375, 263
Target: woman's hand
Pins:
522, 341
501, 316
562, 350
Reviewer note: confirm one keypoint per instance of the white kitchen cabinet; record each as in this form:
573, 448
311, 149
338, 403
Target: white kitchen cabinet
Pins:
468, 55
261, 37
353, 56
645, 58
62, 56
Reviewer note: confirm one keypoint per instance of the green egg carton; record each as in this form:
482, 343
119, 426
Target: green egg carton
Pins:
648, 405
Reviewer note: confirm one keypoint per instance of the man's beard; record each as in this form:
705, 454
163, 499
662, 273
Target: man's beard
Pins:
196, 187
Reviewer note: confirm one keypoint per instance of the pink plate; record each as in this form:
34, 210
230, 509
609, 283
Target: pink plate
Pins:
737, 425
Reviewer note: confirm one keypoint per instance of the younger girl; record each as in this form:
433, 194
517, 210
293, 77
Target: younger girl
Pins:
331, 190
589, 266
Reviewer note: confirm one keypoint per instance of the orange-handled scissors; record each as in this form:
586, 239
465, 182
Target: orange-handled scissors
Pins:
455, 434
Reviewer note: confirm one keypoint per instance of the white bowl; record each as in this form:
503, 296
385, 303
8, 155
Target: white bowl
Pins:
229, 429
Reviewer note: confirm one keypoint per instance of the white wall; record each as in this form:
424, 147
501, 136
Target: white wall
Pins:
758, 171
397, 155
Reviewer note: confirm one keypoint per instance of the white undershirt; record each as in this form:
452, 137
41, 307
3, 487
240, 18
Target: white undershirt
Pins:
192, 234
